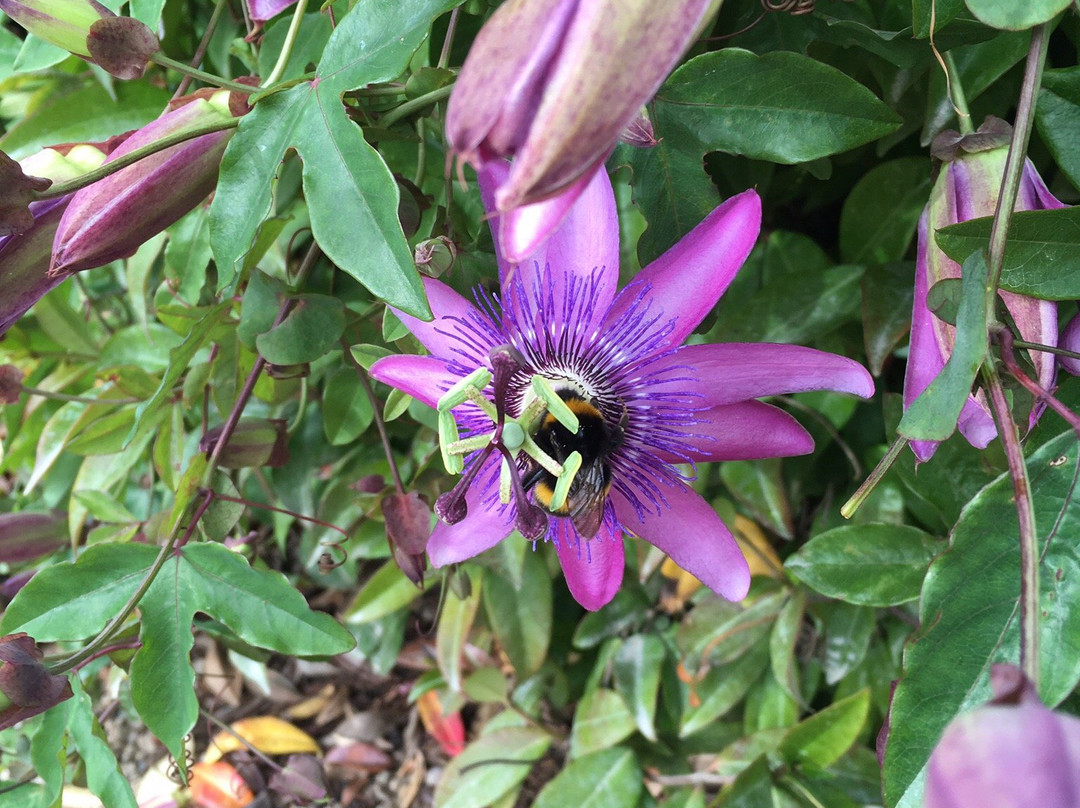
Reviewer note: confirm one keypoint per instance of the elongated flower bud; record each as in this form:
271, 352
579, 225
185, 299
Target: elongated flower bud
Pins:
1070, 341
555, 83
113, 217
64, 23
24, 258
968, 188
1012, 752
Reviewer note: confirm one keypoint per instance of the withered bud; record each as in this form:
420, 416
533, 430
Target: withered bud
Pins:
122, 46
25, 683
17, 191
10, 384
254, 442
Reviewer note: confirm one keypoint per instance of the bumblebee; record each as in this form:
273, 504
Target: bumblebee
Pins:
595, 440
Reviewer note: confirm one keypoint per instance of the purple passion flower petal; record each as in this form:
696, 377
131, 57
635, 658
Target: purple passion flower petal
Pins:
687, 280
593, 568
689, 531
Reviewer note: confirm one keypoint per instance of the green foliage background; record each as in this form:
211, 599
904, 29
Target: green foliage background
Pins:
270, 300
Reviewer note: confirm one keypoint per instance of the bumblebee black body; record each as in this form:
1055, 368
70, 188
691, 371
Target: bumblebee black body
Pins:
595, 440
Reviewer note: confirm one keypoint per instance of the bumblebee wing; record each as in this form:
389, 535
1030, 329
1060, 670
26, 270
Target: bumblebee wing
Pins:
587, 503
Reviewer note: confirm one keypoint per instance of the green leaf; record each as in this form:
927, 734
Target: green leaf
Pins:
879, 216
187, 254
759, 486
737, 102
867, 565
941, 12
309, 331
603, 779
490, 767
888, 293
487, 685
260, 306
969, 613
262, 607
352, 194
847, 637
72, 601
521, 616
387, 591
785, 633
162, 677
752, 788
48, 751
1042, 254
933, 415
346, 408
670, 186
637, 677
87, 114
103, 507
1057, 115
455, 622
147, 414
103, 774
624, 610
1012, 16
723, 687
796, 297
823, 738
601, 720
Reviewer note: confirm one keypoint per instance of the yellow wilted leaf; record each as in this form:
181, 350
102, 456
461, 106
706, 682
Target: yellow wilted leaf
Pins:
685, 583
759, 554
268, 734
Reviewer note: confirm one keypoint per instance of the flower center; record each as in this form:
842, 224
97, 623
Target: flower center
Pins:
510, 437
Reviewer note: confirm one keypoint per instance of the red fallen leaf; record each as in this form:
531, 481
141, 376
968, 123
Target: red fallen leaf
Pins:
448, 730
218, 785
357, 758
27, 687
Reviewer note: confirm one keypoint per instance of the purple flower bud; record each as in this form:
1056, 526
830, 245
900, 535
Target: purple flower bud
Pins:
28, 534
65, 23
968, 188
24, 258
1070, 341
555, 83
1012, 752
113, 217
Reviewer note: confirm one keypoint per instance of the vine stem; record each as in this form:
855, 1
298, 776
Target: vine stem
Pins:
958, 98
161, 59
1014, 163
864, 490
397, 113
174, 539
1025, 512
1008, 359
361, 372
200, 51
287, 46
133, 156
